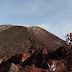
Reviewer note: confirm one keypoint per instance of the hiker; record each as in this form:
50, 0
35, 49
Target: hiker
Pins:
67, 39
70, 37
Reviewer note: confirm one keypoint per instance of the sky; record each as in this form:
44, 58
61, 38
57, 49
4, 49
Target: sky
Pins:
53, 15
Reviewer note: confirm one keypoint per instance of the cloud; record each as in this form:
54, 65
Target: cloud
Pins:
45, 26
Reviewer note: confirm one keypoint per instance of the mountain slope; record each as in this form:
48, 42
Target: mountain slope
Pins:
4, 27
21, 39
46, 38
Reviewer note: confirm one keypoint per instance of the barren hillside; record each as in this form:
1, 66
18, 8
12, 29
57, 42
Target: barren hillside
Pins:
33, 49
19, 39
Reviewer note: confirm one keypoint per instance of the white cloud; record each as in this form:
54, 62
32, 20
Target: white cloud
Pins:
45, 26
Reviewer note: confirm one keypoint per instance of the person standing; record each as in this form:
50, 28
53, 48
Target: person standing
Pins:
67, 39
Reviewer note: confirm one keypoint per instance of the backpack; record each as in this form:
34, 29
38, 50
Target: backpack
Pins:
70, 37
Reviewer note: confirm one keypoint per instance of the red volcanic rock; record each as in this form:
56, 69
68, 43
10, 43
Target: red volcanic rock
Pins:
45, 51
24, 56
57, 65
32, 69
19, 66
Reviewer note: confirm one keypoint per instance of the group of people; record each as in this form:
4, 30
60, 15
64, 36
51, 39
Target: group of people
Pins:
69, 39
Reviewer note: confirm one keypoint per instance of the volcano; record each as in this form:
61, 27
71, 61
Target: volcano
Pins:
33, 49
14, 39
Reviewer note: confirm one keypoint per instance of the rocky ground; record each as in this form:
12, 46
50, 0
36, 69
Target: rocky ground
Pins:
33, 49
